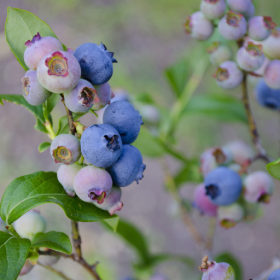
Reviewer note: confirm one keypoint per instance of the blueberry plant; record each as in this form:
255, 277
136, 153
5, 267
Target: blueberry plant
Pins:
97, 161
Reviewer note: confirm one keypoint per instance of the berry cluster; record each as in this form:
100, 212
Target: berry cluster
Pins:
81, 77
228, 186
257, 37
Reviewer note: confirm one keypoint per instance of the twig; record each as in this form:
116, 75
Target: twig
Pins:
71, 125
211, 234
59, 273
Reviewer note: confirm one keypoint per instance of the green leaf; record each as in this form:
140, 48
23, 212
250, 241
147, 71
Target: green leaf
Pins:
177, 76
188, 173
43, 146
13, 253
233, 261
57, 241
219, 106
148, 144
112, 222
274, 169
27, 192
63, 123
20, 27
51, 102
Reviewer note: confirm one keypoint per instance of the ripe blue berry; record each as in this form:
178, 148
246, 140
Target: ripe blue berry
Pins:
32, 90
128, 168
229, 216
92, 184
240, 6
228, 75
104, 94
219, 53
275, 275
258, 187
59, 71
66, 175
38, 47
250, 58
272, 74
199, 26
233, 26
267, 96
217, 271
65, 148
81, 98
271, 46
213, 9
101, 145
96, 62
26, 268
223, 186
203, 203
259, 28
112, 201
125, 119
29, 224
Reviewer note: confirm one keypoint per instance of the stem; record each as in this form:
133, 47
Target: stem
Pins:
211, 234
50, 130
60, 274
11, 229
76, 239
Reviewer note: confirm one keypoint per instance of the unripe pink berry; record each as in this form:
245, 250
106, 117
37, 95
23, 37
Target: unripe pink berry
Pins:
240, 6
112, 201
213, 9
258, 187
65, 148
199, 26
92, 184
272, 74
250, 58
104, 94
203, 203
38, 47
219, 53
259, 28
66, 175
242, 152
216, 271
271, 46
32, 90
228, 75
233, 26
59, 71
229, 216
26, 268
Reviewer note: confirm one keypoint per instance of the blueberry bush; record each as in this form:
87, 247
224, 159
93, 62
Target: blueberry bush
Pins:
98, 161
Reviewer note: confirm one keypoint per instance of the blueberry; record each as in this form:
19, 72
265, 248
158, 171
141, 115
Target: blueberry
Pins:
272, 74
26, 267
219, 53
125, 119
275, 275
59, 71
213, 9
223, 185
65, 148
38, 47
29, 224
250, 12
101, 145
259, 28
104, 94
92, 184
32, 90
271, 46
229, 216
240, 6
128, 168
81, 98
96, 62
200, 27
48, 260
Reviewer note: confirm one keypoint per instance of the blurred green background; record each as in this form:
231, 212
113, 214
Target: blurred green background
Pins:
146, 36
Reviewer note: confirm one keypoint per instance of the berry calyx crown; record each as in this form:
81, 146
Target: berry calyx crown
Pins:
254, 50
57, 64
233, 18
35, 38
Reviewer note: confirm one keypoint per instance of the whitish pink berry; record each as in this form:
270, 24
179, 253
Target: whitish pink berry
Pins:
213, 9
26, 268
272, 74
240, 6
32, 90
219, 53
65, 148
48, 260
229, 216
228, 75
259, 28
38, 47
92, 184
258, 187
112, 201
233, 26
104, 94
271, 46
199, 26
59, 71
203, 203
66, 175
250, 58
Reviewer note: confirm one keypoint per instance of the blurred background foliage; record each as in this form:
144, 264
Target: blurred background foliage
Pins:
147, 38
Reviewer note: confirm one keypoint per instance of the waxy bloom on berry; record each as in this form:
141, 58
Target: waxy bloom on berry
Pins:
259, 28
213, 9
229, 216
